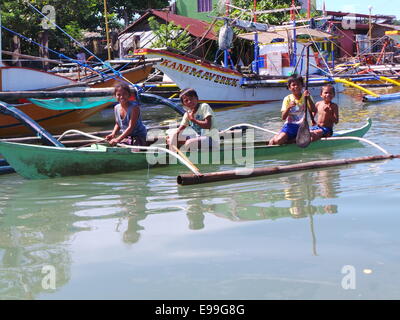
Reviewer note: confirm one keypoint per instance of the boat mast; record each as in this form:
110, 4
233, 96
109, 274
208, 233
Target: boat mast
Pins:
1, 52
107, 33
256, 67
226, 53
293, 18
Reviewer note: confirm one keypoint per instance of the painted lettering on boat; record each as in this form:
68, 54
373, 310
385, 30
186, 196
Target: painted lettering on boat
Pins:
199, 73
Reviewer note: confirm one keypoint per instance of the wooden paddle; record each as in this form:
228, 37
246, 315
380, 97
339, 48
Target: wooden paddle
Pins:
303, 137
176, 149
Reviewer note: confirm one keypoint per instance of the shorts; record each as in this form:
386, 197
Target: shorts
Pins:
291, 130
326, 132
135, 141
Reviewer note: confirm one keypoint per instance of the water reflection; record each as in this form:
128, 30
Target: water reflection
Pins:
31, 237
303, 188
196, 219
38, 220
314, 185
297, 196
300, 195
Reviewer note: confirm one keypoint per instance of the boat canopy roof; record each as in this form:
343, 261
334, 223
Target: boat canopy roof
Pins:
284, 33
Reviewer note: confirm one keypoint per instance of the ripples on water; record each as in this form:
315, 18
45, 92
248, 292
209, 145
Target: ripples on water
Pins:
138, 235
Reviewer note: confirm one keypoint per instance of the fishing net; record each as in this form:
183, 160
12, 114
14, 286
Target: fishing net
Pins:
72, 103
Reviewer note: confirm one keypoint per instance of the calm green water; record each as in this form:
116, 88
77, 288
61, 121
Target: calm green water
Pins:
138, 235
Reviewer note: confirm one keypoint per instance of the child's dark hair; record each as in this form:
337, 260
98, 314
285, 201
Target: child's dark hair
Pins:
328, 86
188, 92
127, 88
295, 78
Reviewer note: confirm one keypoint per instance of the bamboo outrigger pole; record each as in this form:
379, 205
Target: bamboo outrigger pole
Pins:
107, 33
1, 63
189, 179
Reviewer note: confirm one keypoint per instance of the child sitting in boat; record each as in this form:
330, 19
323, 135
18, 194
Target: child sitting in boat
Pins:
328, 114
128, 120
200, 117
293, 111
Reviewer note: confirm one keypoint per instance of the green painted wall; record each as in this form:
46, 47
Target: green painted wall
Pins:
188, 8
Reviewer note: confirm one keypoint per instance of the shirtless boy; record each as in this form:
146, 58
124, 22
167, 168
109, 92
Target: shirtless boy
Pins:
328, 114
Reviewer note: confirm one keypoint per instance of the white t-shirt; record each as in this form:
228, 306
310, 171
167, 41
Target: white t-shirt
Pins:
296, 114
201, 114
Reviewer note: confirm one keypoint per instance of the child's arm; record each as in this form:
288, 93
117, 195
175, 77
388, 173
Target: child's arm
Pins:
204, 124
127, 131
313, 111
174, 138
132, 123
335, 113
286, 105
180, 129
285, 113
311, 106
113, 133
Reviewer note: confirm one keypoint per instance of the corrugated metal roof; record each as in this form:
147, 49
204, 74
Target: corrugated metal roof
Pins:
197, 28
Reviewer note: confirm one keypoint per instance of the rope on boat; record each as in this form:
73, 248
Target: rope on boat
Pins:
359, 139
181, 159
118, 75
70, 37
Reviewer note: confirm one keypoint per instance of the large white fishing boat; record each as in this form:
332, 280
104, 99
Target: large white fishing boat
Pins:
223, 87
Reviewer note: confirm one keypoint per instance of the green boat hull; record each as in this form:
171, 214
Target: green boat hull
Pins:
38, 162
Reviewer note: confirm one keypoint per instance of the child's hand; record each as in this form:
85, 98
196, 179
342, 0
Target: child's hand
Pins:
292, 104
109, 137
306, 93
113, 141
191, 115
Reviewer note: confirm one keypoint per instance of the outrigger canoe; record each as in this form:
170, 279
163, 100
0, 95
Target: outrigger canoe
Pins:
38, 162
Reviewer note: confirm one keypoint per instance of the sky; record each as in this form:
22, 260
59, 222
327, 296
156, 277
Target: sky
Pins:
361, 6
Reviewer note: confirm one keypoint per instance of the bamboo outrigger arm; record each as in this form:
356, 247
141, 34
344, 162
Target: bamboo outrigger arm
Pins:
352, 84
397, 83
359, 139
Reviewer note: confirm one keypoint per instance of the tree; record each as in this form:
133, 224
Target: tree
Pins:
73, 16
169, 35
126, 10
270, 18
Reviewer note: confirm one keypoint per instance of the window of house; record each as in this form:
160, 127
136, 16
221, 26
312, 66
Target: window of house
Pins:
204, 5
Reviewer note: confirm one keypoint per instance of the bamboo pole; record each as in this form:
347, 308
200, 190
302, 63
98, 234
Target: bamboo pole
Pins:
189, 179
1, 56
352, 84
101, 92
107, 31
26, 56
